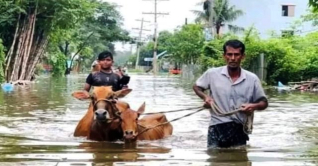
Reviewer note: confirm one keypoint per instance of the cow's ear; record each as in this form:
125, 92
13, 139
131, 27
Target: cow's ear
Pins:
122, 93
141, 109
81, 95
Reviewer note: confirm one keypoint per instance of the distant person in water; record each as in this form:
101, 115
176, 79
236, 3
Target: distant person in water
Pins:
105, 76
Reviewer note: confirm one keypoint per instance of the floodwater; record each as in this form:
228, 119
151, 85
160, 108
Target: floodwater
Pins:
37, 124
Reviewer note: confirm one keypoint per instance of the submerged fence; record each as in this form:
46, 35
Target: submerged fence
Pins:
259, 67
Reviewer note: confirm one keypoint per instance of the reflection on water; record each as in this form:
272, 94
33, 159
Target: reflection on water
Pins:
37, 123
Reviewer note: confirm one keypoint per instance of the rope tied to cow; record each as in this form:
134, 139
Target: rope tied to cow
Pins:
178, 110
161, 124
247, 125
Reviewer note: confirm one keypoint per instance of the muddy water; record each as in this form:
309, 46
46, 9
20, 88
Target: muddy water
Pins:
37, 123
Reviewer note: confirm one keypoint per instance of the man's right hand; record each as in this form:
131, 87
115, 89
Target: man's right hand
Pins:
207, 102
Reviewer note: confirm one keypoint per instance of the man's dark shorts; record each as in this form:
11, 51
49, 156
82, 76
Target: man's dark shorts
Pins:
226, 135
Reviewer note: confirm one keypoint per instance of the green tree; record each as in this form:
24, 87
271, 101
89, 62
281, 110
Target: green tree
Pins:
221, 14
288, 59
186, 43
314, 5
77, 28
96, 32
29, 27
163, 40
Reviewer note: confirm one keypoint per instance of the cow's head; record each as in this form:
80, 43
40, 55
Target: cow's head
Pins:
95, 66
106, 107
129, 123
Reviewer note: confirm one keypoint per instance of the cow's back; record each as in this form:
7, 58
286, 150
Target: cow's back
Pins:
159, 132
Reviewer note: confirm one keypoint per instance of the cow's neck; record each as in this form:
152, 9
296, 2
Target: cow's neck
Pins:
140, 129
99, 131
106, 131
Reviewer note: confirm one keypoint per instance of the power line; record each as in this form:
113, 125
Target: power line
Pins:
139, 39
155, 13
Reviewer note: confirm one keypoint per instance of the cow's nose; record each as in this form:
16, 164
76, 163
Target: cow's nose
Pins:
101, 114
129, 132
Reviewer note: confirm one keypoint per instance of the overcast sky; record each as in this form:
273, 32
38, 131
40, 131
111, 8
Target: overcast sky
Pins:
132, 9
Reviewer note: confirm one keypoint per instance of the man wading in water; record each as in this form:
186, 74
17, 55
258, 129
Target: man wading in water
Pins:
231, 87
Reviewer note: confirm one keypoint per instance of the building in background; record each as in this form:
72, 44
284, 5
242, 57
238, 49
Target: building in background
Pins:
272, 15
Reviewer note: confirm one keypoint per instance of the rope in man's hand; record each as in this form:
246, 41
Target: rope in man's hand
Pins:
247, 125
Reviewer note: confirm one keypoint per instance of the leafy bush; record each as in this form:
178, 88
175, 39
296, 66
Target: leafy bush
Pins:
292, 58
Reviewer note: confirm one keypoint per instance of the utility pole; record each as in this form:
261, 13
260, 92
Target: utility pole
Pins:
155, 13
211, 17
139, 39
208, 6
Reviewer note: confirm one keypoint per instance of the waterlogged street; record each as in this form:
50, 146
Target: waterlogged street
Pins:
37, 124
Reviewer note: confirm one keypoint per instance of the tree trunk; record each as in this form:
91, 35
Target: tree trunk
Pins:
39, 54
36, 46
217, 28
9, 55
24, 55
17, 59
28, 45
66, 48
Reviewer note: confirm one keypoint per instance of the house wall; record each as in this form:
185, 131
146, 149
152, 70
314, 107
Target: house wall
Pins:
266, 15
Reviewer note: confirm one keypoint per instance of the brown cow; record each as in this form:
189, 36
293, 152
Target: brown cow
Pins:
101, 121
133, 128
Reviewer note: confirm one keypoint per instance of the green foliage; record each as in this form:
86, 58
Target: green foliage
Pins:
59, 15
108, 23
186, 43
81, 27
132, 59
9, 13
58, 61
314, 5
39, 69
57, 21
288, 59
99, 28
163, 40
212, 52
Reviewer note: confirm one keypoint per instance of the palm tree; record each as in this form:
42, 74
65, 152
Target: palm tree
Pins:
222, 13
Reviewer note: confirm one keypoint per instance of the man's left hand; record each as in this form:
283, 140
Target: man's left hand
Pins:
248, 107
